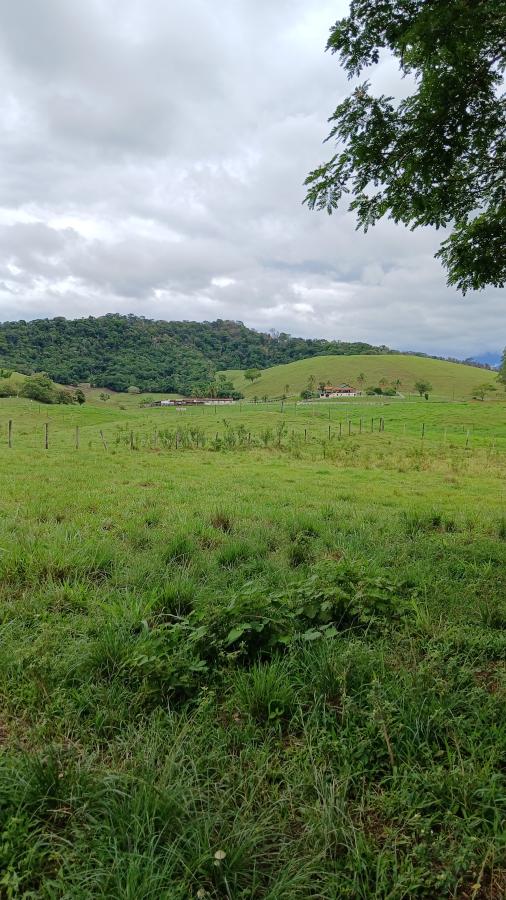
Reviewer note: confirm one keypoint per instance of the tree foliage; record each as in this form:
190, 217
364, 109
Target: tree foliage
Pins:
481, 391
252, 374
436, 157
423, 387
502, 369
117, 352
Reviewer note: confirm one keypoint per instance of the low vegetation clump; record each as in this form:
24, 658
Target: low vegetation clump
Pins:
256, 674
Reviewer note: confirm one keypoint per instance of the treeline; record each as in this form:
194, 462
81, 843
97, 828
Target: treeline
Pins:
119, 352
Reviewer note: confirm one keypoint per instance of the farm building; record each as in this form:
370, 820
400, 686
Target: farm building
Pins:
195, 401
341, 390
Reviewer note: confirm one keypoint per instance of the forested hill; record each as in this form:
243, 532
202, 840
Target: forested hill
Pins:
120, 351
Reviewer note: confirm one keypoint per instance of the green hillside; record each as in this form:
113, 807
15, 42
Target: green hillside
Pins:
448, 379
116, 352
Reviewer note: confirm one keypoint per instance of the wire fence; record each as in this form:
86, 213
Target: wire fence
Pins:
57, 436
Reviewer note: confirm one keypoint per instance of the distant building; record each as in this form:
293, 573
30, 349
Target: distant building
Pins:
341, 390
195, 401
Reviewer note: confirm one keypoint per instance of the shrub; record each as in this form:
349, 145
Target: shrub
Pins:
64, 397
38, 387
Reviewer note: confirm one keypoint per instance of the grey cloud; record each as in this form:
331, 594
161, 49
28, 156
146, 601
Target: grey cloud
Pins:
151, 160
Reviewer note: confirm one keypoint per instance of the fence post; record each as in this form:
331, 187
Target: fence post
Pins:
372, 425
340, 429
349, 426
46, 436
423, 430
103, 439
360, 427
305, 434
329, 432
10, 432
77, 437
467, 439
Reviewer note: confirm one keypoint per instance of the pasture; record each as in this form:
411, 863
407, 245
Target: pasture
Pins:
450, 381
242, 657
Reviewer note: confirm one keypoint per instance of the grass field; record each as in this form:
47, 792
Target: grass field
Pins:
269, 663
449, 380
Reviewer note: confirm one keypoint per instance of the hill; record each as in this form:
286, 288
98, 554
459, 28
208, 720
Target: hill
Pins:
117, 352
447, 378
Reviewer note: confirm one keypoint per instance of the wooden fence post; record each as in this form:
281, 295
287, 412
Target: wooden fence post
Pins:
423, 430
46, 436
77, 437
103, 439
10, 432
329, 432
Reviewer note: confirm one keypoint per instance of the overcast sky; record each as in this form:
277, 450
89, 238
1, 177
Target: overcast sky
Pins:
152, 160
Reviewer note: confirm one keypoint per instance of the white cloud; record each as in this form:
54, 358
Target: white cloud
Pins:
152, 158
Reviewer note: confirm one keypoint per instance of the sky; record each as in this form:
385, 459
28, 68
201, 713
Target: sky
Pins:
152, 160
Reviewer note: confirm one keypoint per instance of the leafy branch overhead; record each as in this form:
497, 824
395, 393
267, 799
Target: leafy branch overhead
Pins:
436, 157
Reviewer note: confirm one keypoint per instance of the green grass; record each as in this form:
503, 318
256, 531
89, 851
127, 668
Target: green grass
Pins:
261, 669
449, 380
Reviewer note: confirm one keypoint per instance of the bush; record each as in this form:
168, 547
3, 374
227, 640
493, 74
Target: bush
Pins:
40, 388
64, 397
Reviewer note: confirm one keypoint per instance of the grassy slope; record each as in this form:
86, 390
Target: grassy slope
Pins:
446, 378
